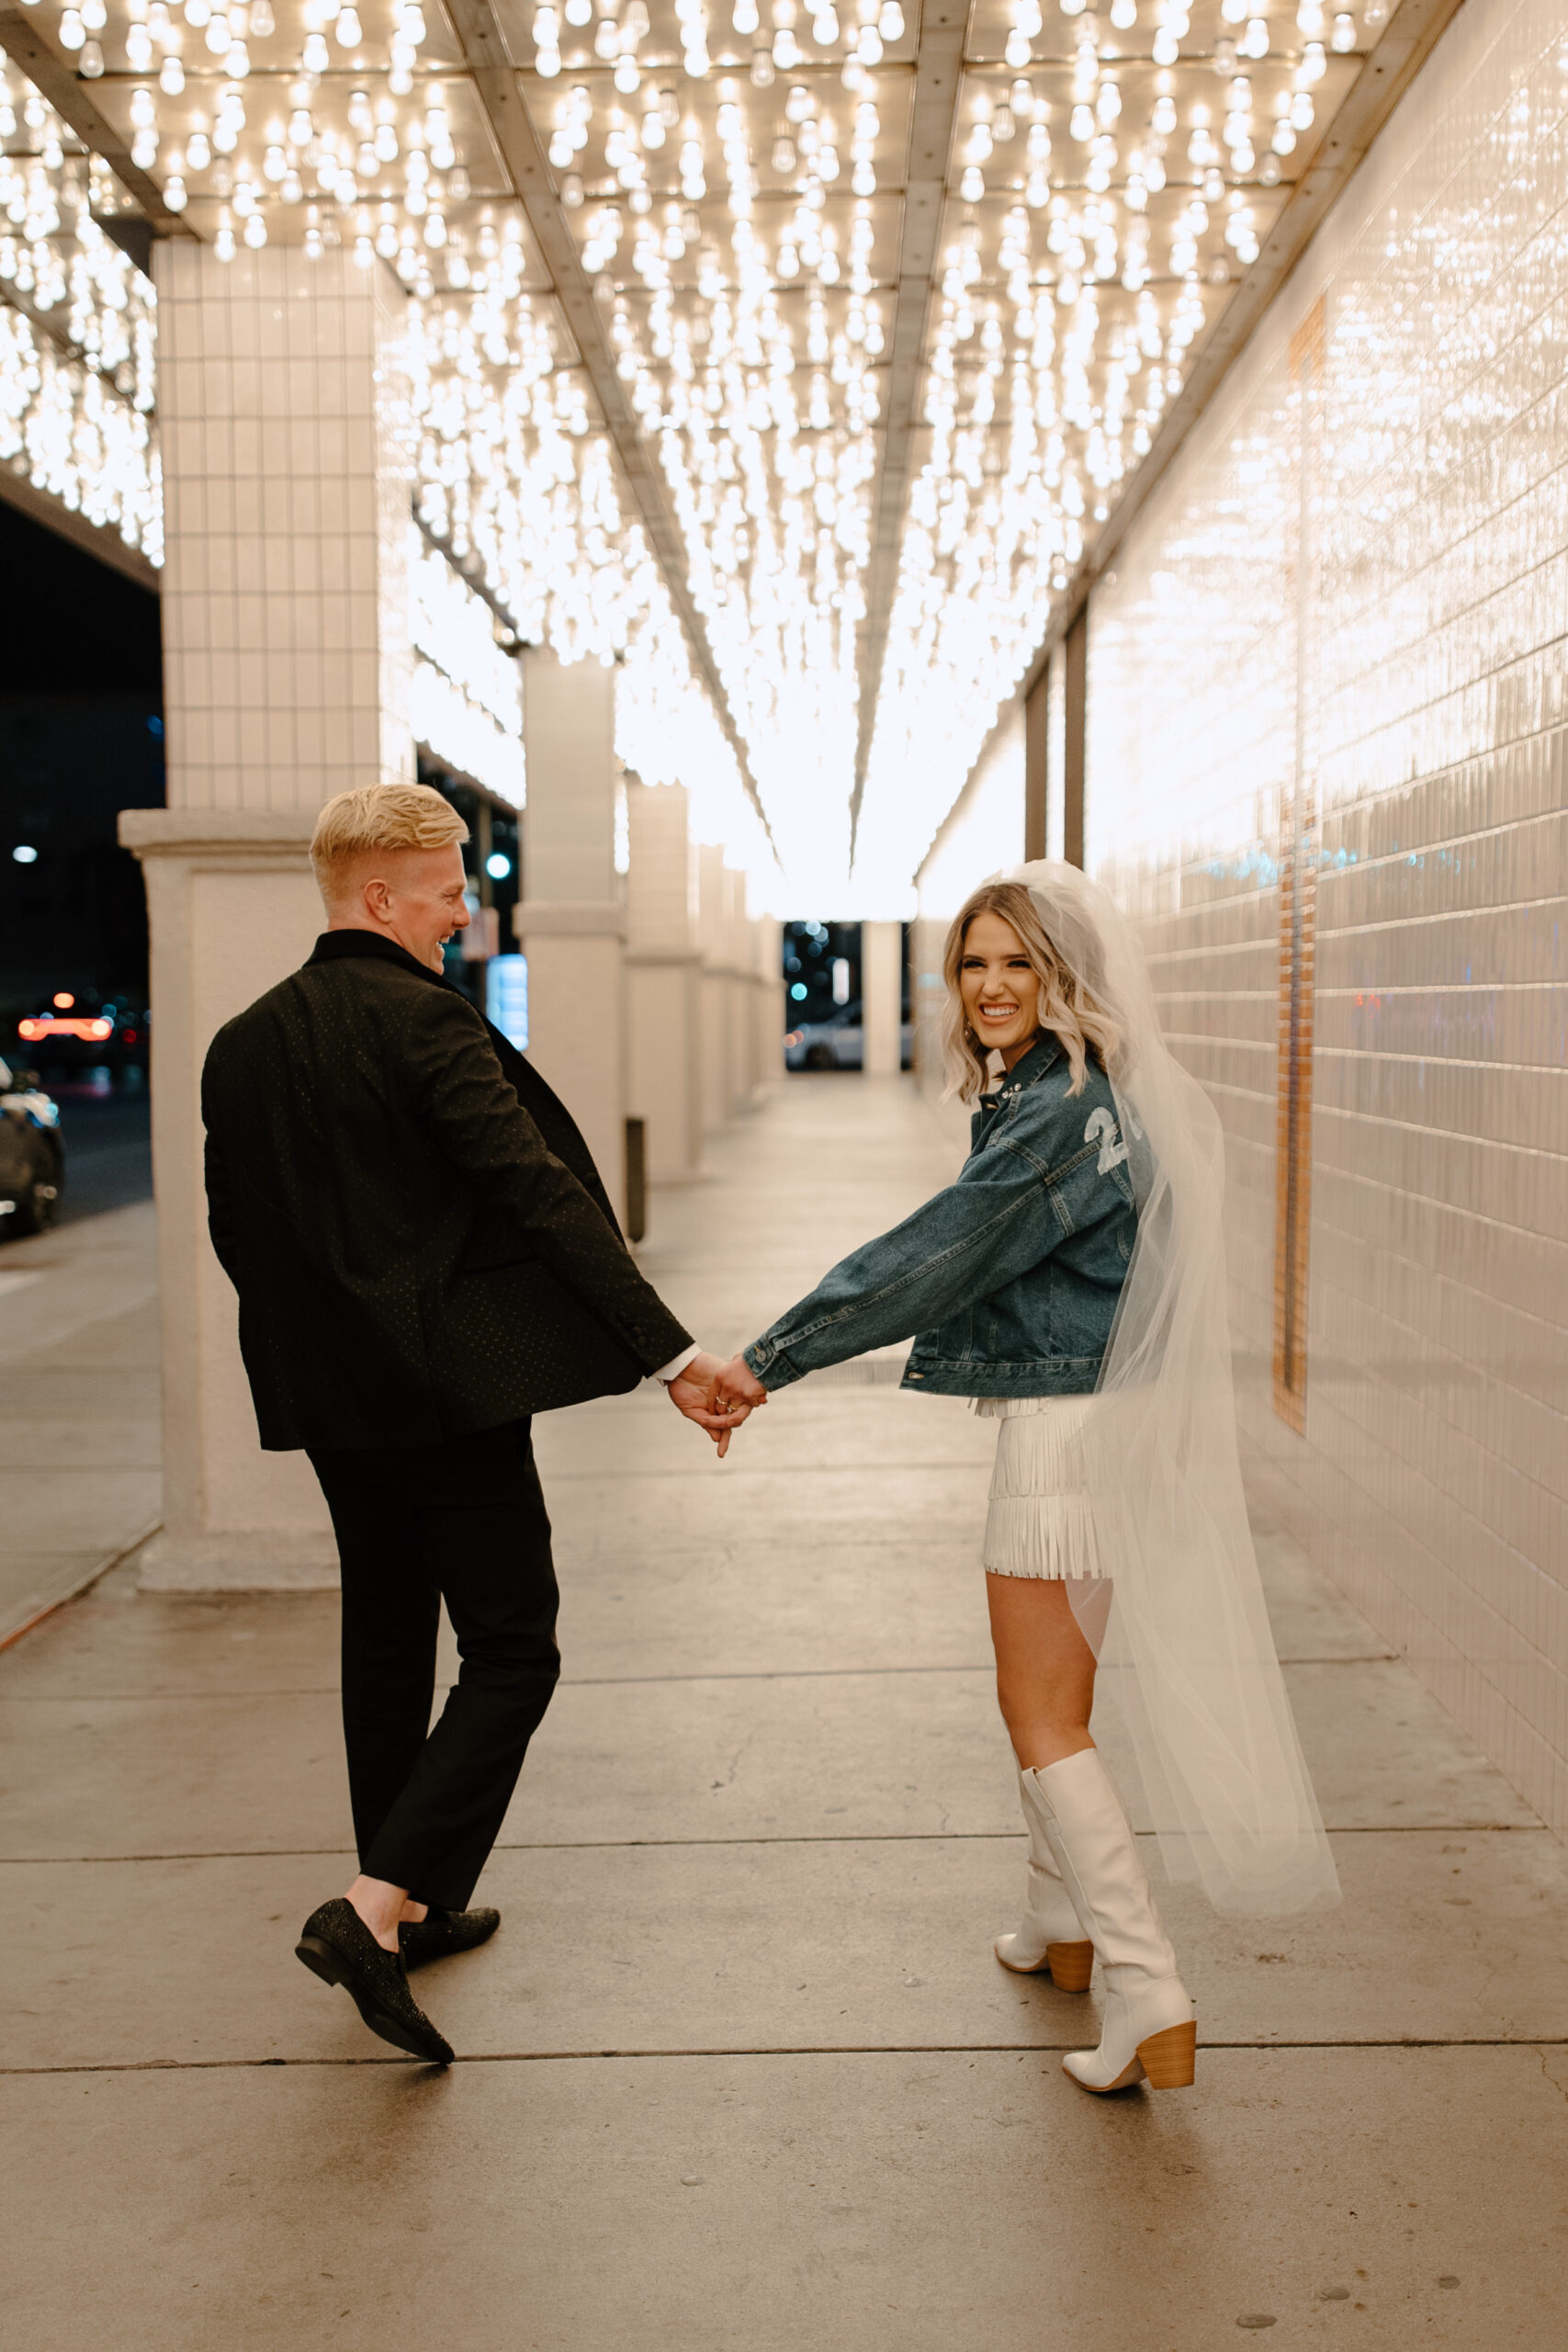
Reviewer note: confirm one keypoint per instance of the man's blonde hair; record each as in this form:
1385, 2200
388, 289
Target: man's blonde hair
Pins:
379, 817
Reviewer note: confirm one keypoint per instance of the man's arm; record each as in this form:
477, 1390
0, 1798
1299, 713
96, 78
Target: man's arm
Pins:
458, 1095
220, 1209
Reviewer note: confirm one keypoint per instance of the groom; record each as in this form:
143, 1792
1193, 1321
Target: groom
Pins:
425, 1257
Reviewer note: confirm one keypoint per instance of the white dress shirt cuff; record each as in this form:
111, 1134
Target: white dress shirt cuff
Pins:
677, 1364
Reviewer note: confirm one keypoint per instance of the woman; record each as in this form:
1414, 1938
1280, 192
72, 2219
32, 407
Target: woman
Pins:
1072, 1283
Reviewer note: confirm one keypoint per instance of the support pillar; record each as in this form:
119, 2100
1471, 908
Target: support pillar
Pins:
882, 996
737, 1016
663, 969
716, 1102
767, 1000
571, 921
1076, 691
286, 671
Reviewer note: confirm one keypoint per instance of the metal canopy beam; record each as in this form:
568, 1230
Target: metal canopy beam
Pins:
938, 72
495, 78
68, 95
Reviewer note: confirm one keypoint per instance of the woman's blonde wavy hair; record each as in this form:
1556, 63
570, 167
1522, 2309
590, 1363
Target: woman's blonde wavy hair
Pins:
1068, 1005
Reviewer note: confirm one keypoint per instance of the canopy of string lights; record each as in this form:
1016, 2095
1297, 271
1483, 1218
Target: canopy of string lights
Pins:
830, 331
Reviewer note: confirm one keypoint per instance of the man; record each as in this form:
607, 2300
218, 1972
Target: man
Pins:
424, 1257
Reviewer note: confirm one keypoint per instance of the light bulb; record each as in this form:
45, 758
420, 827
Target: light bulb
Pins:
264, 24
1344, 31
223, 244
71, 30
890, 23
172, 81
1124, 15
348, 32
746, 18
92, 61
317, 57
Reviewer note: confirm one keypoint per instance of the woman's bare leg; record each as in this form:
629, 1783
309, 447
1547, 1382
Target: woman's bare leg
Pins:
1044, 1668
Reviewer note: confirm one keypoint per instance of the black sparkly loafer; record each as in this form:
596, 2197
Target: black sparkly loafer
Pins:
441, 1933
337, 1945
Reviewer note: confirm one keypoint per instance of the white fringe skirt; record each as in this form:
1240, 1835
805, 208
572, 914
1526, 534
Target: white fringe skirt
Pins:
1042, 1521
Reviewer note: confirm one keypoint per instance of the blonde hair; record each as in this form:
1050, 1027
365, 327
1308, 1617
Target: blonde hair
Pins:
1068, 1005
379, 817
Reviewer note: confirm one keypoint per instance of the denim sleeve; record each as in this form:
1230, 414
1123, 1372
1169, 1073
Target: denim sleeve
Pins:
1000, 1219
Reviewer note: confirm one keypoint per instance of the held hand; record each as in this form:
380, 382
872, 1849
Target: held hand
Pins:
691, 1393
738, 1387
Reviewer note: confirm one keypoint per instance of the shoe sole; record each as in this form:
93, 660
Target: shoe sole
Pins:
1069, 1966
1168, 2062
322, 1960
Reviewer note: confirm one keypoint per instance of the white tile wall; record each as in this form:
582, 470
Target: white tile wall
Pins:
1432, 1480
286, 605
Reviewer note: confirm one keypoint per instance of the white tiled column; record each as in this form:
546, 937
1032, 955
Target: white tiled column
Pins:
882, 993
767, 1000
663, 981
715, 1006
573, 920
286, 668
738, 1024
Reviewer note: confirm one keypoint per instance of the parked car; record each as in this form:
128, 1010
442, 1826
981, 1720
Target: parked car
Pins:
32, 1158
839, 1043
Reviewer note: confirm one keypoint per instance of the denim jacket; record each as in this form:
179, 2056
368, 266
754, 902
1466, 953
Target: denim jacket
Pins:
1009, 1277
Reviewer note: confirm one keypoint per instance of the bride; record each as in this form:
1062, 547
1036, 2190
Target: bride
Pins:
1072, 1283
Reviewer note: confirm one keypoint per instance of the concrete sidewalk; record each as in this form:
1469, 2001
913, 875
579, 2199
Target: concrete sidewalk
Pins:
740, 2074
81, 1472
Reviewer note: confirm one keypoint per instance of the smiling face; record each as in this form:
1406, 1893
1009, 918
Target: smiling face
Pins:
414, 896
999, 988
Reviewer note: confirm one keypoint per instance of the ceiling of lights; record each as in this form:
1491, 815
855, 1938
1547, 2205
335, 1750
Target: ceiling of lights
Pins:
992, 243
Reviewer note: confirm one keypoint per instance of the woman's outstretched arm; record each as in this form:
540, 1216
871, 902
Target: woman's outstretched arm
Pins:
1007, 1212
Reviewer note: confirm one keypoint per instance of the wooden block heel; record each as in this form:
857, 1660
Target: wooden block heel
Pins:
1071, 1966
1171, 2059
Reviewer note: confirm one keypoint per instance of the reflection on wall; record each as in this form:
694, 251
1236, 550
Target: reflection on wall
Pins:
1336, 635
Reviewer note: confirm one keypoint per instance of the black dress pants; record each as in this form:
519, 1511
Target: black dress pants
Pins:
465, 1522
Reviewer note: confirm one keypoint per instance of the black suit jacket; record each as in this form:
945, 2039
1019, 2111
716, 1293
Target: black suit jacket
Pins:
419, 1236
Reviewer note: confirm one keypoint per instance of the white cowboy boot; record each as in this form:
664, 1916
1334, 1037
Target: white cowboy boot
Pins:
1148, 2027
1050, 1935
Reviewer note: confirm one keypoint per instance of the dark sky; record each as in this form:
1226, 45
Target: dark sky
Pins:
71, 624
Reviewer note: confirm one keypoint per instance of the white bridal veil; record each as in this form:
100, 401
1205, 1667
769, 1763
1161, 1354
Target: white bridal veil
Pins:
1188, 1656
